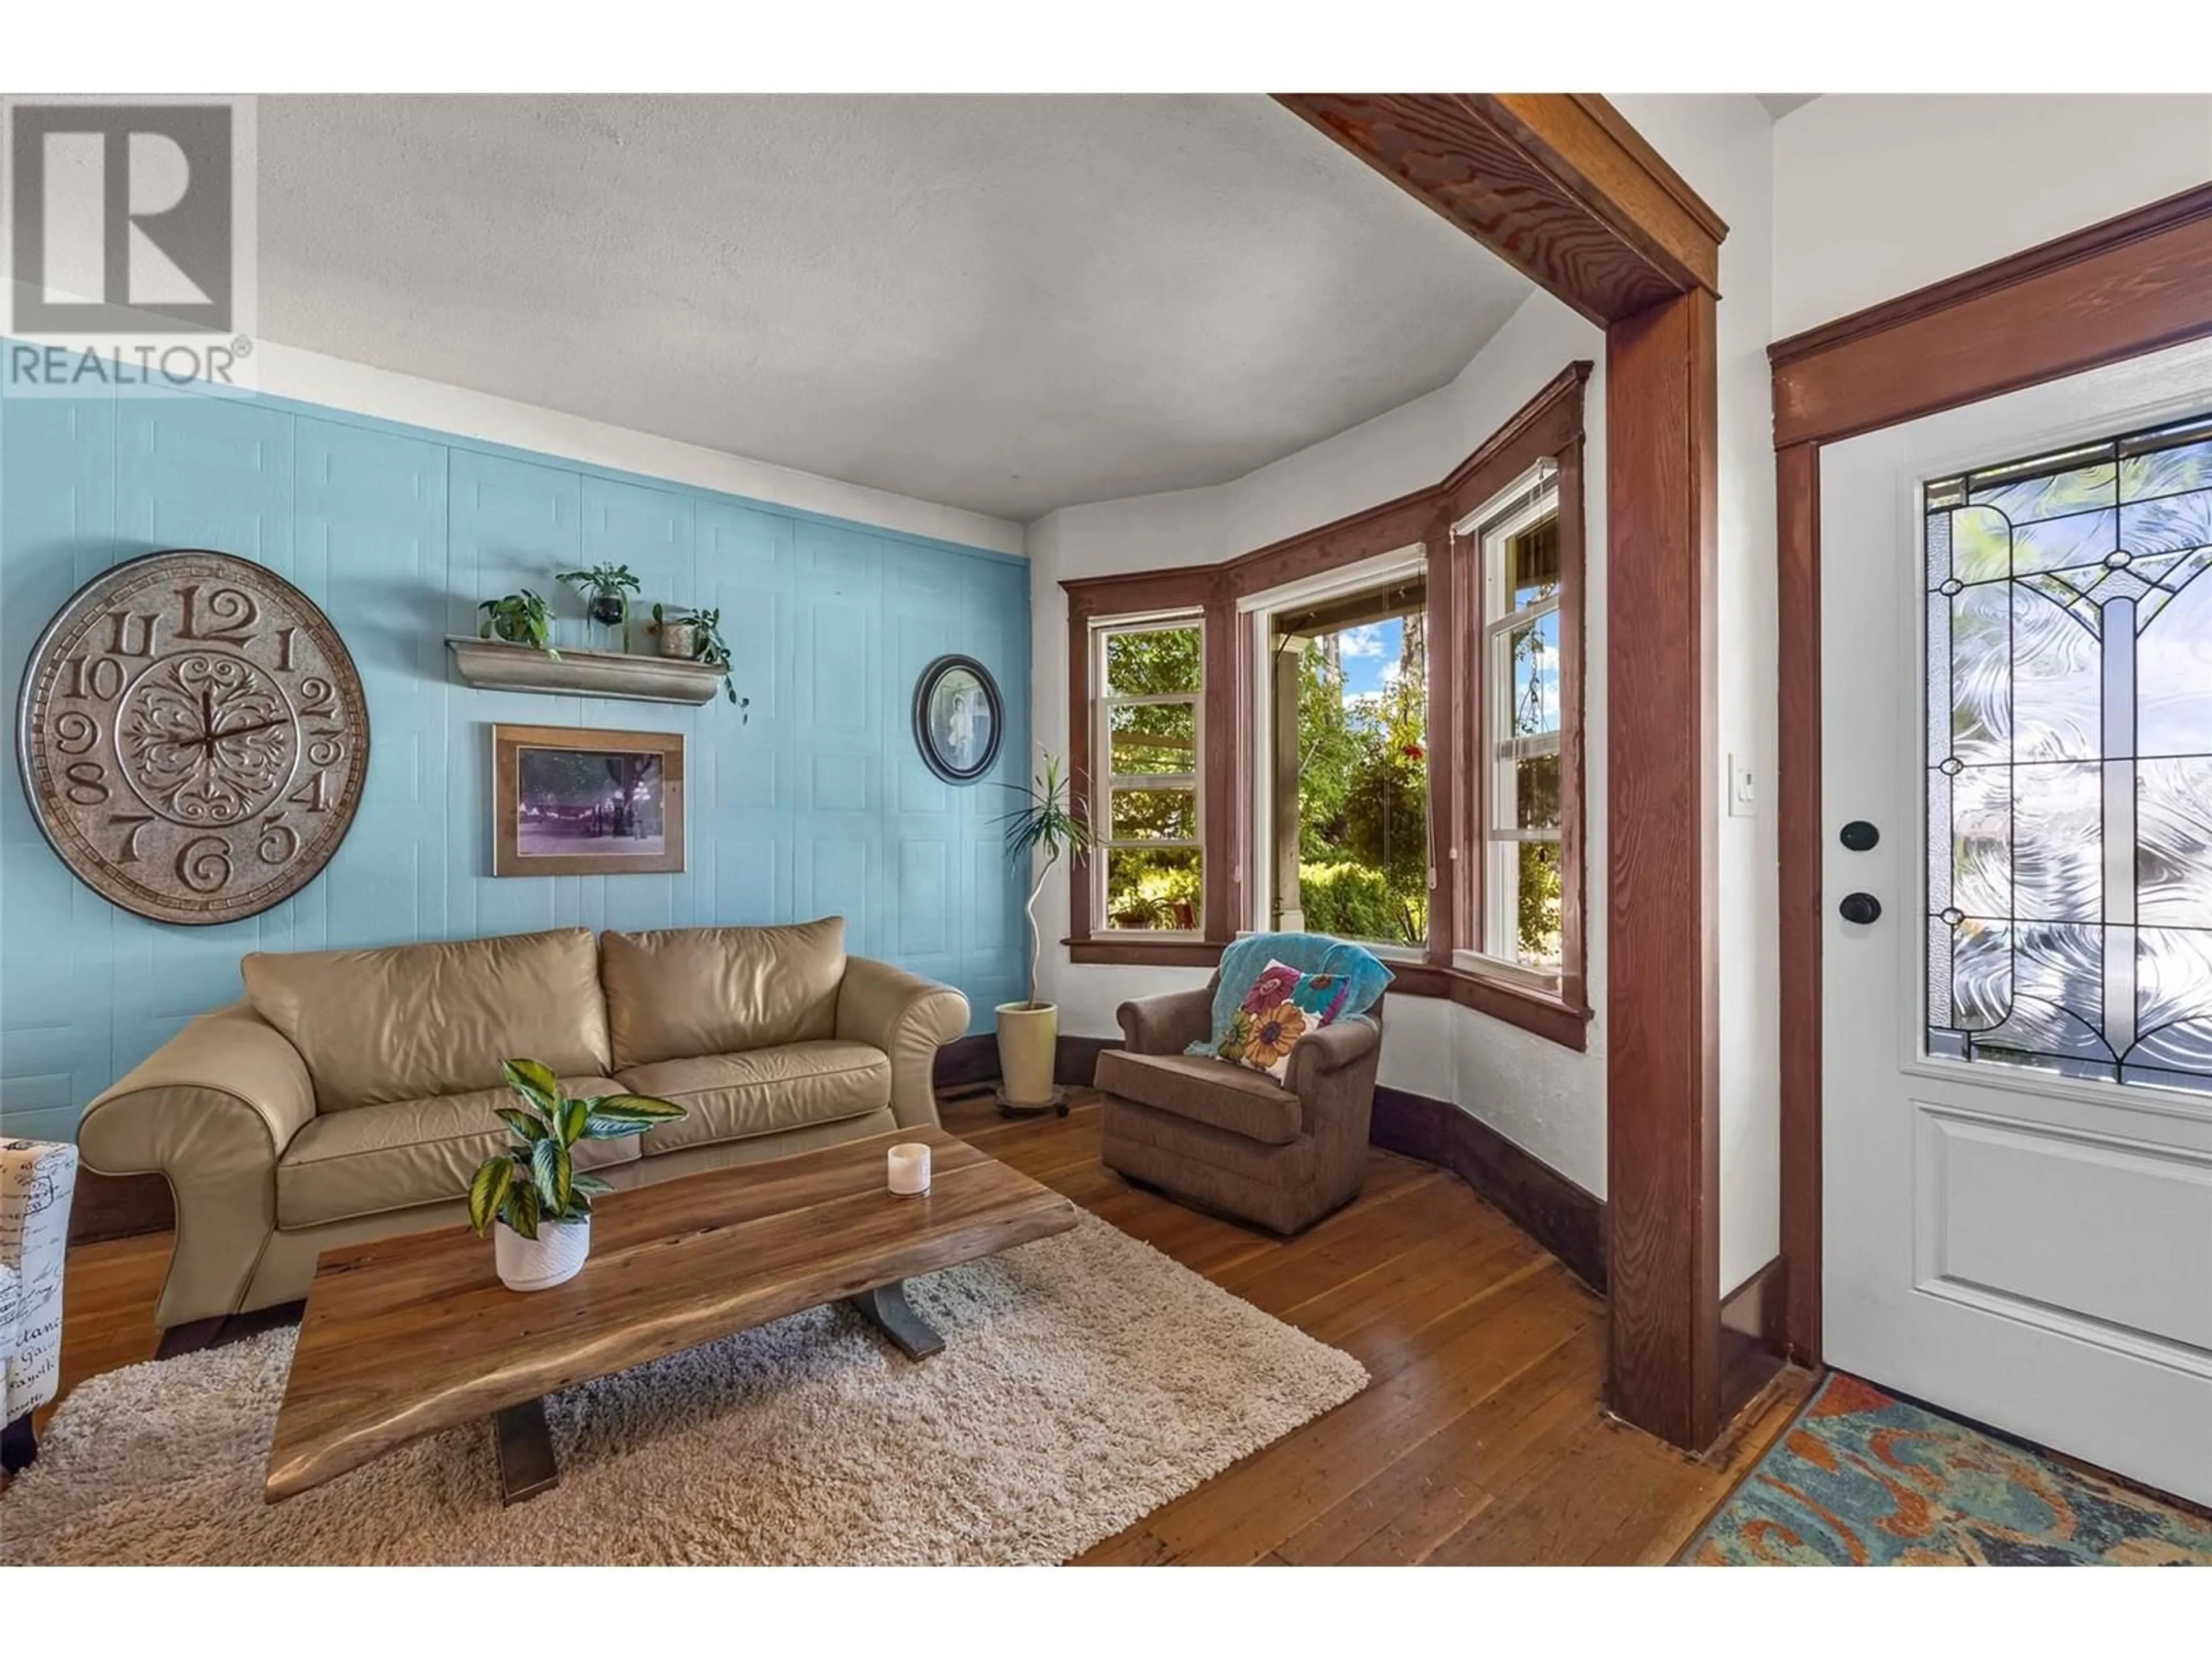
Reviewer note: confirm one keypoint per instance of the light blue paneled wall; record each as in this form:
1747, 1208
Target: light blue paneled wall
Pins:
820, 806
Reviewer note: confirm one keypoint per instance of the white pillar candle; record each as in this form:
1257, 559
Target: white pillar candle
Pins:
910, 1167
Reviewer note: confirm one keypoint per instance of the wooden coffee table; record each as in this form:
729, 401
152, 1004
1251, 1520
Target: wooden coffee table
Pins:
406, 1336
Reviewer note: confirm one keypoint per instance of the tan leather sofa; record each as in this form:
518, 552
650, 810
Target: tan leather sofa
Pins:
351, 1093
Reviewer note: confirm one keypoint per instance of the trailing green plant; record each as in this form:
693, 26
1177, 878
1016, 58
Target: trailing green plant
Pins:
1054, 822
521, 618
707, 646
535, 1179
607, 588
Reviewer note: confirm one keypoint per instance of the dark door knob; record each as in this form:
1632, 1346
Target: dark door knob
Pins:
1861, 908
1860, 836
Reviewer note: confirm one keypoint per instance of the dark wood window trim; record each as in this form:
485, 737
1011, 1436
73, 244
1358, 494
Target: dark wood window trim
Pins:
1550, 426
2131, 285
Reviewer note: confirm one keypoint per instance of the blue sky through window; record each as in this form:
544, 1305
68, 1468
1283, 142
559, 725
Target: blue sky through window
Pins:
1370, 655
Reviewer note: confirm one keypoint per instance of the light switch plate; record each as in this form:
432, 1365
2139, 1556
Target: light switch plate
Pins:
1743, 790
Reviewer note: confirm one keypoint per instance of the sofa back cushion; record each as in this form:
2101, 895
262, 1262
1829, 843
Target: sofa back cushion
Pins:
692, 991
412, 1021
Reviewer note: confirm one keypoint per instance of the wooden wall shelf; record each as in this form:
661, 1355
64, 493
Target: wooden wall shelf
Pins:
496, 666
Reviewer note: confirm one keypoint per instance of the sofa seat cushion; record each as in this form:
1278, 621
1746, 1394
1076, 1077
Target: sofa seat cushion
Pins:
761, 1091
412, 1022
376, 1158
1205, 1090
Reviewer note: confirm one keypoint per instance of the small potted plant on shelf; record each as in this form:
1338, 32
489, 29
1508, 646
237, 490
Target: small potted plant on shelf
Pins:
697, 636
607, 588
1050, 824
520, 619
531, 1192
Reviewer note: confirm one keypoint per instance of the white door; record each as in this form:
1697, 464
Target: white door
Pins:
2016, 667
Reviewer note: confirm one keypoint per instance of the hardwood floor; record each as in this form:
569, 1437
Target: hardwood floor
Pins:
1481, 1440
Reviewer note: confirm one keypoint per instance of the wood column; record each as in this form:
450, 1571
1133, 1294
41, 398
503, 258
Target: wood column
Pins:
1661, 826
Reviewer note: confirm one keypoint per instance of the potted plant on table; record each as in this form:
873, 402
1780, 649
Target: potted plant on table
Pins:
521, 618
1050, 824
541, 1202
606, 589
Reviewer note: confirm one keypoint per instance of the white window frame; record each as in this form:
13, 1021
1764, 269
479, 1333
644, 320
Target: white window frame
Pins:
1527, 502
1104, 702
1262, 609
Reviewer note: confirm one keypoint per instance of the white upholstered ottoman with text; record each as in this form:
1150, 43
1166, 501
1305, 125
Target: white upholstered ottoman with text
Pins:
37, 1179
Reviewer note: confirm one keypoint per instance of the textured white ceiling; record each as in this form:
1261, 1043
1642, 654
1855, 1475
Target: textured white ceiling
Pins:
1004, 304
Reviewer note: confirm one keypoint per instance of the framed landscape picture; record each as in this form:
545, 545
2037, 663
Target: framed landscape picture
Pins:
570, 801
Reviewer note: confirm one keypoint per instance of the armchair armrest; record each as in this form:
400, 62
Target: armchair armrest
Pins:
1329, 1049
1168, 1023
212, 1109
909, 1018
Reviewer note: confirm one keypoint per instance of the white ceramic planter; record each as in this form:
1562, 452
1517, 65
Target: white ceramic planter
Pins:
1026, 1040
554, 1257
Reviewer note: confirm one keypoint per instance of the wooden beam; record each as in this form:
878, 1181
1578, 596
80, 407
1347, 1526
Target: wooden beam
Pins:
1797, 793
2130, 285
1662, 1096
1565, 190
1558, 185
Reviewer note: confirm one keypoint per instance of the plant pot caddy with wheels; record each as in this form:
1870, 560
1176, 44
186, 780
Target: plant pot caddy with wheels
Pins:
1052, 823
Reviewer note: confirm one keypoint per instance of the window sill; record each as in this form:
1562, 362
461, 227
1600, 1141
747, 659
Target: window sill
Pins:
1537, 1012
1137, 950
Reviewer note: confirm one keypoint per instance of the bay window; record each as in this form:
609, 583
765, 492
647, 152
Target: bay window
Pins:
1372, 729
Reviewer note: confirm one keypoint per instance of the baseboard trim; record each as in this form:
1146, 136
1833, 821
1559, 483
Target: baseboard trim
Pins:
1075, 1059
1551, 1209
119, 1206
1751, 1335
966, 1061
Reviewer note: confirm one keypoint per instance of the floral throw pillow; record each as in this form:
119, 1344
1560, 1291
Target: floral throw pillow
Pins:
1282, 1006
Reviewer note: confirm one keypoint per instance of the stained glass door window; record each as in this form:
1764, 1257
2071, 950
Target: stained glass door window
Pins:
2069, 761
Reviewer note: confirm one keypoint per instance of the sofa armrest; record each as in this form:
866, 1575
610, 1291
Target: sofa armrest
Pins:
909, 1018
1168, 1023
212, 1109
1331, 1049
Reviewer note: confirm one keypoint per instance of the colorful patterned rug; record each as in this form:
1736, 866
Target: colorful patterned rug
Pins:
1863, 1479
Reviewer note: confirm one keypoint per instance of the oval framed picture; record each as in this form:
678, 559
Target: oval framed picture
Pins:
957, 718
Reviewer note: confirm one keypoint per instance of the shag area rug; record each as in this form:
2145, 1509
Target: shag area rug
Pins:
1086, 1379
1864, 1479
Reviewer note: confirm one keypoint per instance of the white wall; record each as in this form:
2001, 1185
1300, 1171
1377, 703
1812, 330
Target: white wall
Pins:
1549, 1099
1723, 146
287, 372
1877, 195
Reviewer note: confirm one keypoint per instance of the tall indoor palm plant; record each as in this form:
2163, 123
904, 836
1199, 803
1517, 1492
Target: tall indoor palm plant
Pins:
1051, 823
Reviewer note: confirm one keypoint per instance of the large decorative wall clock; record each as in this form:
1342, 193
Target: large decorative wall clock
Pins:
192, 737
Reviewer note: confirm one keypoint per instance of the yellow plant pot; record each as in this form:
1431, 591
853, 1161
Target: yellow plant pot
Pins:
1027, 1037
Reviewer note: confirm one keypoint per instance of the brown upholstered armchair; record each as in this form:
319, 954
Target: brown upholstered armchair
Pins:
1230, 1138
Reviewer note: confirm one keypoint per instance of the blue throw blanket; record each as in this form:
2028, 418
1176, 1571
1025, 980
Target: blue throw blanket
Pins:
1242, 963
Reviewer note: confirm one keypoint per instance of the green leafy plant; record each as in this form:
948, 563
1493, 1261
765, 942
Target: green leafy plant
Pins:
520, 619
607, 588
707, 645
1053, 821
535, 1179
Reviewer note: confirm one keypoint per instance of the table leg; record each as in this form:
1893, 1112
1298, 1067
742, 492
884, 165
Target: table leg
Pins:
526, 1466
887, 1309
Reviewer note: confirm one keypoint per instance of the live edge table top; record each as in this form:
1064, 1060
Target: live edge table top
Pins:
409, 1336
